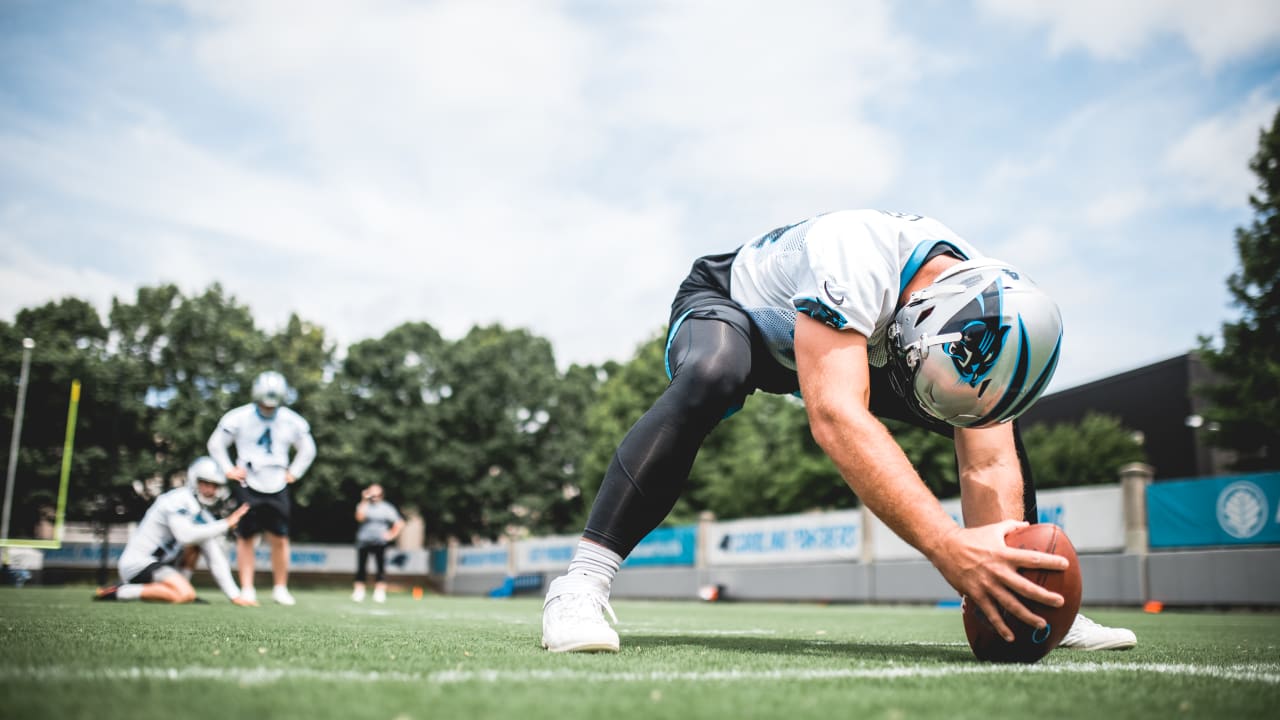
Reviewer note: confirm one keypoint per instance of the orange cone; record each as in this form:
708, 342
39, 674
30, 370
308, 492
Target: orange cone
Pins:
1153, 607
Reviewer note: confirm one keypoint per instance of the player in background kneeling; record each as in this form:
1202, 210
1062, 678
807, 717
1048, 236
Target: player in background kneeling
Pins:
179, 519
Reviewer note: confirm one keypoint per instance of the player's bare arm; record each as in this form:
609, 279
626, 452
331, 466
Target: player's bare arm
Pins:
990, 475
991, 492
234, 518
834, 379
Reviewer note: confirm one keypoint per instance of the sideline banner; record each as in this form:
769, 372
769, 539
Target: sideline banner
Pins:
786, 538
545, 554
482, 559
666, 546
303, 558
1232, 510
663, 546
1093, 517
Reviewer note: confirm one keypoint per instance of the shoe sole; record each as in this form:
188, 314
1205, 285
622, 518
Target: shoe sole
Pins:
1117, 645
582, 647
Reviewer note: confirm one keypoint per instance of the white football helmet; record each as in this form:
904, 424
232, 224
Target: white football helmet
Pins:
976, 347
270, 389
207, 470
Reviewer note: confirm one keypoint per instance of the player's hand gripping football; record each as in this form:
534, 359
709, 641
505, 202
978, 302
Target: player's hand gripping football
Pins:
978, 563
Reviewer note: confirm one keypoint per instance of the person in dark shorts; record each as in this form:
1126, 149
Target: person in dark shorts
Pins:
263, 432
380, 524
866, 315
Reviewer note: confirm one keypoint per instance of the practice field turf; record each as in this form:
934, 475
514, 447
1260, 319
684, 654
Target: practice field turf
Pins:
63, 656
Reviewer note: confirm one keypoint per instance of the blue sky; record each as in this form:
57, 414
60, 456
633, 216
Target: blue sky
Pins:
558, 165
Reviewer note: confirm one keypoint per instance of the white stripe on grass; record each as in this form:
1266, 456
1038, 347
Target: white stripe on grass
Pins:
1268, 674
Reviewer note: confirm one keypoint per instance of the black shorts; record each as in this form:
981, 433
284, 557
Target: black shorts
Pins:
268, 512
155, 572
704, 295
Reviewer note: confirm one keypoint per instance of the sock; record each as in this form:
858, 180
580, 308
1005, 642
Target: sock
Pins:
187, 572
132, 591
595, 560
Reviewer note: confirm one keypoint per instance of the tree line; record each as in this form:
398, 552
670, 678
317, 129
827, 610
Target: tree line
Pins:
481, 434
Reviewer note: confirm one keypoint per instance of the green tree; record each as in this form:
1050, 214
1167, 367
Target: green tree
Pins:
1246, 395
71, 344
503, 386
556, 503
932, 455
384, 405
629, 389
763, 461
198, 355
1090, 452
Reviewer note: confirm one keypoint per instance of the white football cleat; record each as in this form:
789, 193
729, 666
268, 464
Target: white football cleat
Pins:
379, 595
1086, 634
358, 595
280, 594
573, 616
248, 593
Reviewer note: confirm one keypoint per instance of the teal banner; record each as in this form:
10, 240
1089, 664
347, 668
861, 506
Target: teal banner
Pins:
666, 546
1233, 510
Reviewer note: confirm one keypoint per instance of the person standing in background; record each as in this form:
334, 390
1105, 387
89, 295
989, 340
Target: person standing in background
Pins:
262, 432
380, 524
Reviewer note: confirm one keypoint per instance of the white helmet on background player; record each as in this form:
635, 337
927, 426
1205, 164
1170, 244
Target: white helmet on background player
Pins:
270, 389
976, 347
206, 470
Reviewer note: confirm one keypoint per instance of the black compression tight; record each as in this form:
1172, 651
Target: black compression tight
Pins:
710, 365
711, 369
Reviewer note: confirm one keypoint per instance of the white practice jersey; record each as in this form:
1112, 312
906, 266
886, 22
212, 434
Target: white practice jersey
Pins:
175, 520
262, 445
845, 269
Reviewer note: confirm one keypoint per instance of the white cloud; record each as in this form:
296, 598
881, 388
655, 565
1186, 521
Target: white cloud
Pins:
474, 162
1217, 32
28, 280
1209, 163
1114, 207
558, 165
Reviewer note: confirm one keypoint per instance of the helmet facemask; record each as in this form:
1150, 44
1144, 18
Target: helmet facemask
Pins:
270, 389
976, 347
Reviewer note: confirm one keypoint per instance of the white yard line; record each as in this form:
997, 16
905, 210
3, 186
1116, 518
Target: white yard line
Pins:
1267, 674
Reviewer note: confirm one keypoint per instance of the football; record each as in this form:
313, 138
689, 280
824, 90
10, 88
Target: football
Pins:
1031, 644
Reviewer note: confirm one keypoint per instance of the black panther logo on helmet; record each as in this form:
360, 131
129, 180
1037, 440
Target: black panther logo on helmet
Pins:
982, 336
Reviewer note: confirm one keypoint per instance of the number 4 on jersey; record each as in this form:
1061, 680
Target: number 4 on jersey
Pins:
265, 440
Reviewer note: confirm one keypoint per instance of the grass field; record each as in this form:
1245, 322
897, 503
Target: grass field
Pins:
66, 657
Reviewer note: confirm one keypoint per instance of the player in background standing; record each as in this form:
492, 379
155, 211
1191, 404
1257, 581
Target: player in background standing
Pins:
263, 432
380, 523
868, 314
178, 519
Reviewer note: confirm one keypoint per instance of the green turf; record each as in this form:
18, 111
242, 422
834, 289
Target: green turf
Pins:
63, 656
